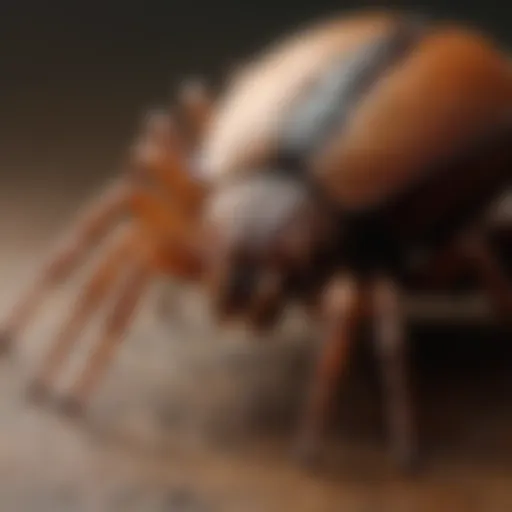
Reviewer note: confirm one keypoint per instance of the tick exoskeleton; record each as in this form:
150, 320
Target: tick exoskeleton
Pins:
325, 166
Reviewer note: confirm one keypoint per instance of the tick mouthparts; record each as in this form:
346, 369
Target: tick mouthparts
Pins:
234, 292
265, 301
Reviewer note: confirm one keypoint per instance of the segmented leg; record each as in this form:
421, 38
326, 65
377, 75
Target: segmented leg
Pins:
98, 218
391, 345
169, 155
178, 244
116, 326
196, 106
343, 309
161, 156
90, 300
165, 225
160, 218
92, 225
490, 272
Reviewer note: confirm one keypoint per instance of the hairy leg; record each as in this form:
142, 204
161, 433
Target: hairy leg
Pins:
178, 249
160, 155
116, 326
391, 345
167, 155
342, 312
92, 297
175, 257
85, 234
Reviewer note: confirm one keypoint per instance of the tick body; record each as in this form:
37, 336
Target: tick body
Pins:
328, 163
379, 137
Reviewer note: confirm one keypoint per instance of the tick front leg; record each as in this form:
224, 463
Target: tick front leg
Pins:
161, 155
132, 260
342, 310
85, 234
90, 300
177, 253
391, 346
117, 323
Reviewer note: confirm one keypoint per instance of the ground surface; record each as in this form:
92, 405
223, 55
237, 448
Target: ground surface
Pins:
187, 422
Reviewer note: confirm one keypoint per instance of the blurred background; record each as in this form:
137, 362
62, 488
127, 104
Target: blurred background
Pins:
75, 81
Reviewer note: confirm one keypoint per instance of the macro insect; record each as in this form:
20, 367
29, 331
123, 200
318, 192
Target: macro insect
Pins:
334, 164
147, 215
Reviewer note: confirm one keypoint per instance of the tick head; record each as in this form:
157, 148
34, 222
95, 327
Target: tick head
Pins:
261, 236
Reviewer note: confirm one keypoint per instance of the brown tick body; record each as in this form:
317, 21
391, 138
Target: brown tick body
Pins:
329, 164
380, 137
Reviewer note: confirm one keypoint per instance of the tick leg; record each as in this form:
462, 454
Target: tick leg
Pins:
93, 295
173, 233
116, 326
176, 255
85, 233
197, 107
164, 155
490, 272
391, 349
160, 154
342, 311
